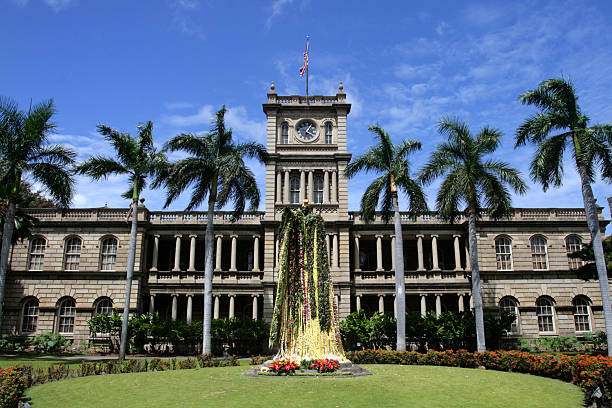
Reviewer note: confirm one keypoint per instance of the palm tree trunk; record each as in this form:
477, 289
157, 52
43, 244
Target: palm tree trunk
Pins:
593, 224
400, 283
128, 281
476, 289
7, 236
208, 274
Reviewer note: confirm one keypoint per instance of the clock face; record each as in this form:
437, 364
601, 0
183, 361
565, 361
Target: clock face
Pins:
307, 130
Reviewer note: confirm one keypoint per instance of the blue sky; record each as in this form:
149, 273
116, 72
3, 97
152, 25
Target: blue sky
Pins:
403, 65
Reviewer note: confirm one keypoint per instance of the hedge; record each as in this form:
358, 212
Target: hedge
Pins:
585, 371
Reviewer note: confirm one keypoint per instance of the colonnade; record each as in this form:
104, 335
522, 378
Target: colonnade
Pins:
331, 242
421, 263
216, 302
192, 251
423, 296
330, 190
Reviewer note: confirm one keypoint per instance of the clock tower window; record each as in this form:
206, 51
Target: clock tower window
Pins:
318, 190
284, 133
328, 134
295, 190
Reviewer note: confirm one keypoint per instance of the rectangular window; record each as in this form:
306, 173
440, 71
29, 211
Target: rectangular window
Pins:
545, 317
582, 319
573, 244
37, 254
109, 254
503, 254
295, 191
538, 253
73, 254
328, 134
285, 134
318, 191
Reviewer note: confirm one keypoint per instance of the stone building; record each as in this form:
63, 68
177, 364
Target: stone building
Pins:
75, 264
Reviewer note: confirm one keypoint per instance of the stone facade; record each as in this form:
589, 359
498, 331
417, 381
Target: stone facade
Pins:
75, 264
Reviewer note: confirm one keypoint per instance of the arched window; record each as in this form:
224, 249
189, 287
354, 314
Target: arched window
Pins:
73, 253
108, 254
546, 315
295, 190
507, 304
29, 317
284, 133
329, 139
539, 257
66, 314
37, 253
104, 306
318, 190
582, 314
573, 244
503, 254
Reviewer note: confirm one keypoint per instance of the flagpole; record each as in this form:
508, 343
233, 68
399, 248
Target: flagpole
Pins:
307, 67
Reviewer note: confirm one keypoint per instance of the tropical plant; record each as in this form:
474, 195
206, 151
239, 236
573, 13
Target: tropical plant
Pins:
473, 180
25, 152
361, 332
560, 113
215, 170
138, 159
588, 270
391, 162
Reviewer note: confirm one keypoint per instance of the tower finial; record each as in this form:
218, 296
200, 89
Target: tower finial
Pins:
272, 87
340, 87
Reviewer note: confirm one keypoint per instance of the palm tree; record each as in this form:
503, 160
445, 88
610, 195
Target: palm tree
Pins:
471, 179
138, 159
215, 170
391, 161
25, 152
560, 113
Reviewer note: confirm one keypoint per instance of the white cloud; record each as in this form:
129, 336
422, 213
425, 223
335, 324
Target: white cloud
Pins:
277, 9
57, 5
183, 17
203, 116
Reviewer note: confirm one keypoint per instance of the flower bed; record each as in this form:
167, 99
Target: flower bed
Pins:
587, 372
325, 365
284, 367
15, 380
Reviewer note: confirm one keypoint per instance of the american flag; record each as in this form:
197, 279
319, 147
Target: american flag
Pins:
304, 67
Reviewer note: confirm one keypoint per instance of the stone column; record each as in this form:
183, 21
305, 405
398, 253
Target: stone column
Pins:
255, 307
189, 308
174, 306
334, 188
302, 186
393, 252
434, 252
152, 304
438, 305
358, 302
381, 304
216, 307
461, 305
233, 258
256, 253
457, 253
379, 264
286, 200
192, 251
327, 244
356, 260
177, 253
311, 187
471, 302
468, 266
326, 187
279, 188
231, 306
423, 305
218, 257
335, 252
155, 252
420, 252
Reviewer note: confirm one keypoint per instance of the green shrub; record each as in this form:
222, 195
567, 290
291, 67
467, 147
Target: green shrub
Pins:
50, 343
13, 384
10, 343
361, 332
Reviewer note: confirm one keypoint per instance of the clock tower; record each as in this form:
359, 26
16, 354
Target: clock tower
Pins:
306, 141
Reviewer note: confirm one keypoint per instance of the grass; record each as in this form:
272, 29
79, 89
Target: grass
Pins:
390, 386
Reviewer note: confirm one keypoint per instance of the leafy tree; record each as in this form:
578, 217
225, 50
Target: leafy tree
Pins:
25, 152
138, 159
588, 271
215, 170
560, 113
391, 162
471, 179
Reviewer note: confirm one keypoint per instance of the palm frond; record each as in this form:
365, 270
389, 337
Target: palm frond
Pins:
55, 179
99, 167
547, 164
371, 197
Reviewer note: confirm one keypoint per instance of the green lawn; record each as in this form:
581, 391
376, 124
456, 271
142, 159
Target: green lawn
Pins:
390, 386
13, 361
